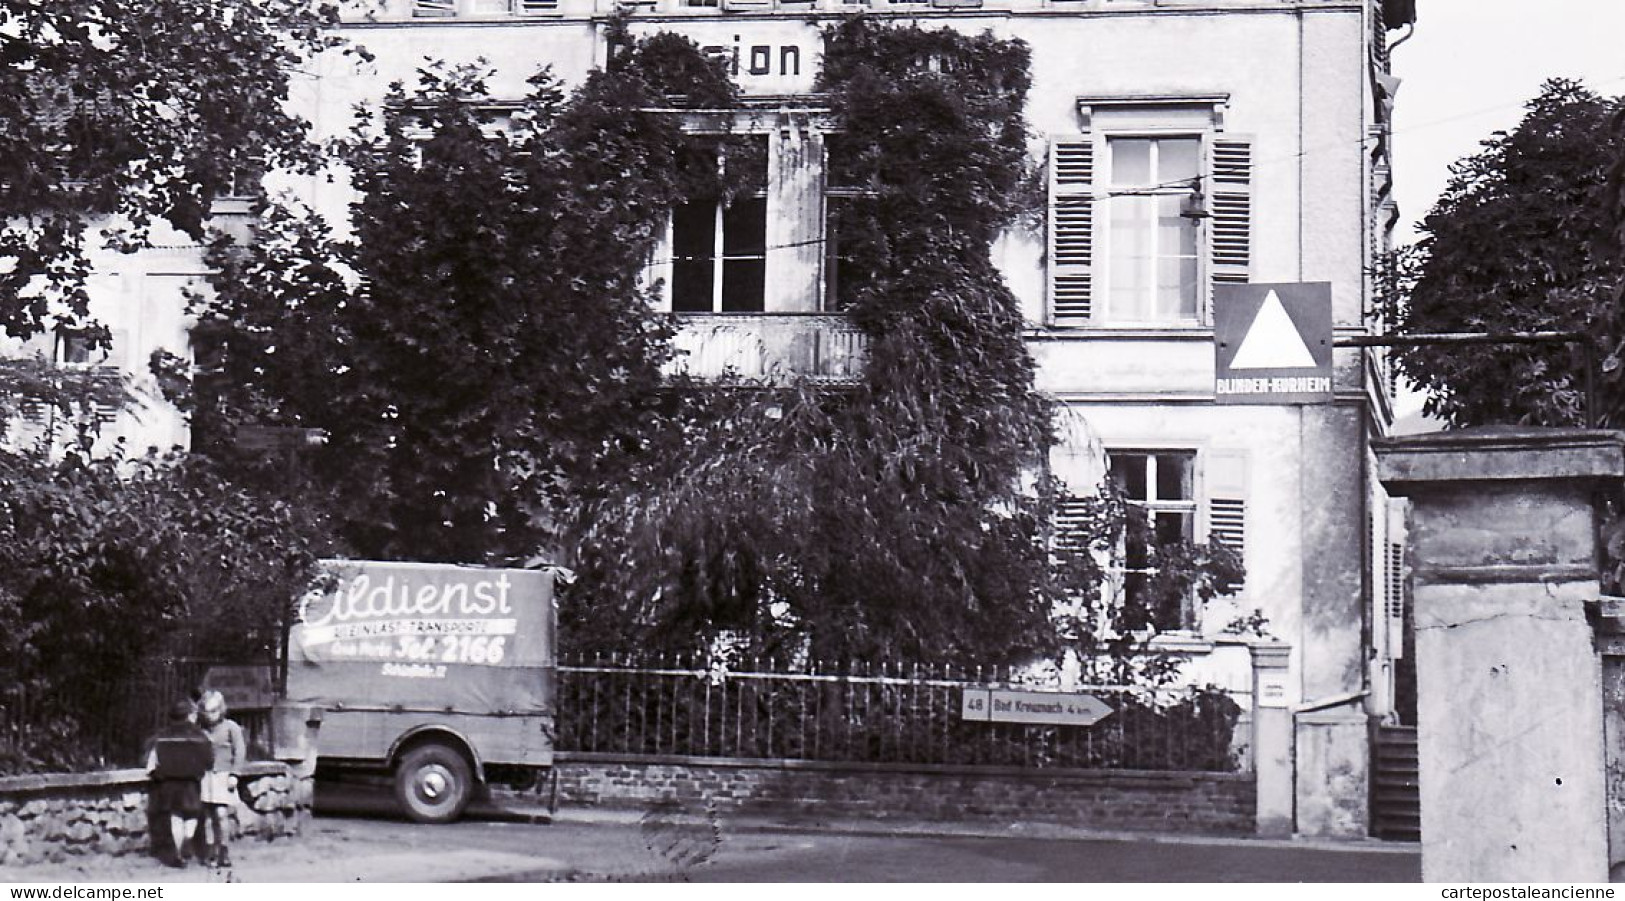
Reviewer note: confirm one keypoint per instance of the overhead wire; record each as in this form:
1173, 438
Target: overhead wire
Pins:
1196, 183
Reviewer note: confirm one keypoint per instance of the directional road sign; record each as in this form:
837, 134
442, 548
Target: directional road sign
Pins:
1002, 705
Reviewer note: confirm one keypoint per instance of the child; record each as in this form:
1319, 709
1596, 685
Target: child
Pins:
176, 761
220, 783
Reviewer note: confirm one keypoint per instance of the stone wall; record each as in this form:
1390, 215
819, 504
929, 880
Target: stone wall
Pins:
49, 818
1204, 803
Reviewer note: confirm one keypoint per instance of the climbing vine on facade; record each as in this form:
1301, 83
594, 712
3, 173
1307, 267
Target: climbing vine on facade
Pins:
900, 518
485, 358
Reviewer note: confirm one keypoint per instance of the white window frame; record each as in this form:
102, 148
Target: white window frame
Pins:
1109, 193
718, 258
773, 125
1116, 586
1077, 287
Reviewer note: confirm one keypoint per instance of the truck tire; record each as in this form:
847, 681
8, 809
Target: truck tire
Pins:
433, 784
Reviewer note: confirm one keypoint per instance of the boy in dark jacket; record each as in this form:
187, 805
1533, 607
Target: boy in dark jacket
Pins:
177, 758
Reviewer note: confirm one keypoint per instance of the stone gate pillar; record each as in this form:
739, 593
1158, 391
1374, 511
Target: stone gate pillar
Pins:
1509, 694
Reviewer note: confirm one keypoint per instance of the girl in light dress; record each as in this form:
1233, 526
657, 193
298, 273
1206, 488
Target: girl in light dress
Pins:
220, 783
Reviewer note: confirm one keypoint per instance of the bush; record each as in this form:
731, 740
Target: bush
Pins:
108, 565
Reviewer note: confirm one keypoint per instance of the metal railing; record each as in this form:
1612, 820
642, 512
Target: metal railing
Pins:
109, 730
882, 714
770, 347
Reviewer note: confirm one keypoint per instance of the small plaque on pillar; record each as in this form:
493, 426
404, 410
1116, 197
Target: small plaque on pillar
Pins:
1272, 690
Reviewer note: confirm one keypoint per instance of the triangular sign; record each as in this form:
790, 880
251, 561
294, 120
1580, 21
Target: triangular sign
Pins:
1272, 341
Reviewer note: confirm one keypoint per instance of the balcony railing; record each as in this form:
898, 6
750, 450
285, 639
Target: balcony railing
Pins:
770, 347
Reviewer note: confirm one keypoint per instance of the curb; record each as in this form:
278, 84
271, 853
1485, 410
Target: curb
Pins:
518, 805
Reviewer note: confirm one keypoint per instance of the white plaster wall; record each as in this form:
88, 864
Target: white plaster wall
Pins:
1294, 74
139, 298
1265, 437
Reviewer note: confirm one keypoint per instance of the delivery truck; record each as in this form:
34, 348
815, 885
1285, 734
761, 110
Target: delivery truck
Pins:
443, 676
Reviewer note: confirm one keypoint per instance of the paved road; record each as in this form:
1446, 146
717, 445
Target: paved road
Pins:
760, 853
844, 858
358, 838
703, 849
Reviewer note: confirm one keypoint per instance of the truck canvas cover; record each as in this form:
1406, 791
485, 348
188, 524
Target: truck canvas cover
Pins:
424, 637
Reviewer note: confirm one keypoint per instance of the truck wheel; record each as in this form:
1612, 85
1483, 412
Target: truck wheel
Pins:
433, 783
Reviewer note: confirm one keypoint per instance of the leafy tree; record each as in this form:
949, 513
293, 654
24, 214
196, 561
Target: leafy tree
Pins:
497, 352
116, 118
140, 111
489, 370
1517, 244
108, 564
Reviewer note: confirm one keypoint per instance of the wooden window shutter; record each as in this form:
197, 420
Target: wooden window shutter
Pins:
1396, 579
434, 8
1394, 598
1227, 500
1230, 199
1071, 229
1228, 522
111, 370
1071, 519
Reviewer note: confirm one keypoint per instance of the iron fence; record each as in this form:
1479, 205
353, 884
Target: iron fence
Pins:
881, 713
676, 706
107, 728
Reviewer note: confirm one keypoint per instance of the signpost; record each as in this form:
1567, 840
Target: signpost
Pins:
243, 687
1001, 705
277, 437
1272, 343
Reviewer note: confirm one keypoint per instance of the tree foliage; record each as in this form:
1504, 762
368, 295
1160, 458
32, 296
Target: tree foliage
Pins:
488, 369
897, 519
108, 564
140, 111
114, 118
497, 353
1517, 243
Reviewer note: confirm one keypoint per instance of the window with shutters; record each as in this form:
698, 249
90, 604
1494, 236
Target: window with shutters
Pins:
1162, 484
78, 349
440, 9
1152, 206
1145, 217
